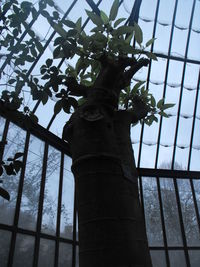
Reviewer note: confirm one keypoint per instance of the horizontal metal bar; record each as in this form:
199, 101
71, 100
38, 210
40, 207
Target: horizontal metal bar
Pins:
19, 230
35, 129
168, 173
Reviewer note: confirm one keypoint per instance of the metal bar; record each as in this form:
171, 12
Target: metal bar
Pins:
181, 59
41, 199
27, 28
187, 258
182, 82
59, 211
35, 129
3, 140
163, 223
148, 79
19, 196
147, 172
74, 230
33, 233
134, 16
175, 142
165, 81
97, 11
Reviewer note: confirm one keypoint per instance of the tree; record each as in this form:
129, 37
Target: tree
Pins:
104, 104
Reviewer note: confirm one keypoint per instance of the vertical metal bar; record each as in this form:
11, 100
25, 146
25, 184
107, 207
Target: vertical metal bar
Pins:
40, 208
59, 210
175, 142
190, 153
181, 224
163, 223
74, 230
5, 132
182, 82
18, 203
165, 82
148, 79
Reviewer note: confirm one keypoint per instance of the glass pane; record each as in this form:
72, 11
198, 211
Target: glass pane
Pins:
24, 248
77, 256
152, 212
49, 216
4, 247
194, 258
158, 258
177, 258
46, 253
2, 123
31, 188
67, 213
172, 225
15, 143
65, 255
188, 212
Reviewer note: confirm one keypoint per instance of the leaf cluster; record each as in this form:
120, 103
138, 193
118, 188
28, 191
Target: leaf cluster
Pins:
11, 167
139, 97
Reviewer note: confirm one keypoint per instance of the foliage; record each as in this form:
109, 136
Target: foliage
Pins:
109, 37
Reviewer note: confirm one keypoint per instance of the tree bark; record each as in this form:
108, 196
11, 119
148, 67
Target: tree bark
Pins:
111, 223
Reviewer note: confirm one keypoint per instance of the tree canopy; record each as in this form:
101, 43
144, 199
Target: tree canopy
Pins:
111, 48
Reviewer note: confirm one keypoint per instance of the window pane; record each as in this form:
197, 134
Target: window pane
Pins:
31, 188
2, 123
4, 247
152, 212
24, 248
46, 253
65, 255
177, 258
194, 258
50, 205
188, 212
158, 258
15, 143
67, 212
172, 225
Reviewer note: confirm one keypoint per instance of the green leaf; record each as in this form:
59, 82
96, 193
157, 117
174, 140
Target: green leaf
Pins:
151, 55
69, 23
94, 18
49, 62
4, 193
123, 30
104, 17
163, 114
166, 106
118, 21
150, 42
160, 103
136, 87
59, 30
114, 10
56, 52
58, 106
18, 155
138, 34
11, 81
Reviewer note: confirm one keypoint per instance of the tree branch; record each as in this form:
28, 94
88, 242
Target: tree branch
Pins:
135, 66
75, 88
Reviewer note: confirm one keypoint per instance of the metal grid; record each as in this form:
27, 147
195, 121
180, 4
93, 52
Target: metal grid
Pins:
141, 151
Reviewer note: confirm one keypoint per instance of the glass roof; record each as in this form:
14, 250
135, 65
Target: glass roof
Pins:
173, 142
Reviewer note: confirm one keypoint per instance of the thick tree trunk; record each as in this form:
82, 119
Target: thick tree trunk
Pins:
111, 224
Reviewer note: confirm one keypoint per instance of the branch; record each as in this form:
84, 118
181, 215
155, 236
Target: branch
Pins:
127, 76
75, 88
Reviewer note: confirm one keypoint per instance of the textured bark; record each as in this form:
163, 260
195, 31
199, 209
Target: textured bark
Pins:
111, 223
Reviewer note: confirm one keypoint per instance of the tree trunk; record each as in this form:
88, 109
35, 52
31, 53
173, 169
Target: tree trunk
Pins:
111, 223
